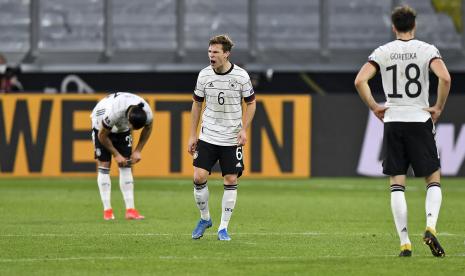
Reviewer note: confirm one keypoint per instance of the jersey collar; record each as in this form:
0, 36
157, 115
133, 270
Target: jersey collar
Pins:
406, 40
227, 72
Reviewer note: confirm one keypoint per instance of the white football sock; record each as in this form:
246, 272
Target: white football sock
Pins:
399, 211
433, 204
104, 186
201, 195
126, 184
227, 205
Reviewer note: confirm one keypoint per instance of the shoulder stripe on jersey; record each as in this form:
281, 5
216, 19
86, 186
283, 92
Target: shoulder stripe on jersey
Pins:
228, 97
230, 119
214, 75
217, 131
375, 64
218, 80
222, 111
225, 89
214, 101
221, 135
237, 75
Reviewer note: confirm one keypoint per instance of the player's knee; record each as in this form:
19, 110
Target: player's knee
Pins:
103, 164
199, 178
230, 179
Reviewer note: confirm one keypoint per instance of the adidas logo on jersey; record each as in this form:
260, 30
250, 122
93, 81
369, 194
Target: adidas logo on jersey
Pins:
210, 84
238, 165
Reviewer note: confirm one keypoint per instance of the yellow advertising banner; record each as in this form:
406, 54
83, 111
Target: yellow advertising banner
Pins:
50, 135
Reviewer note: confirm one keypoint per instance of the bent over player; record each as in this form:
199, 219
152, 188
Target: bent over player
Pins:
408, 119
113, 119
222, 86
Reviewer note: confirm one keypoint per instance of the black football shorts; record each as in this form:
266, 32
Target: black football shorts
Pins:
410, 144
230, 157
121, 141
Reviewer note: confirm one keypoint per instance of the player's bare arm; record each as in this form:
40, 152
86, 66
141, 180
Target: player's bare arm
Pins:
144, 137
195, 118
440, 70
248, 117
367, 72
103, 134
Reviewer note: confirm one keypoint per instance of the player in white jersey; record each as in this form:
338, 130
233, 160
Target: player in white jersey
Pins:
408, 119
113, 119
222, 86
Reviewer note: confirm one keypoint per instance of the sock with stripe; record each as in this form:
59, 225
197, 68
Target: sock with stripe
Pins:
104, 186
399, 211
433, 204
201, 195
126, 184
227, 205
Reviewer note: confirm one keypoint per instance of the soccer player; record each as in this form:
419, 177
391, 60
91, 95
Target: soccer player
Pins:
113, 119
408, 119
222, 85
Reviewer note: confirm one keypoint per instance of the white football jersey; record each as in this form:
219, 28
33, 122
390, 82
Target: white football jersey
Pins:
223, 94
404, 67
112, 109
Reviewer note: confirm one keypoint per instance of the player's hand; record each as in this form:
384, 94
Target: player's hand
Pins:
135, 157
379, 111
192, 144
122, 161
435, 113
241, 137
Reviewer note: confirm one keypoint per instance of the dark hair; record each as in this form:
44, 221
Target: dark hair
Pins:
224, 40
137, 116
403, 18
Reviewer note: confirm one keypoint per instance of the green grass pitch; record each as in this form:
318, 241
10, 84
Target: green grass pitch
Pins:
332, 226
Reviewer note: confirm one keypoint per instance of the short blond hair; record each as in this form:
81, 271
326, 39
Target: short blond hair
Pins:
224, 40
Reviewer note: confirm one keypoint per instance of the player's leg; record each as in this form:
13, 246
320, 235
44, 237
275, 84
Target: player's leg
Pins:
123, 143
395, 164
399, 212
201, 193
205, 157
432, 207
433, 199
232, 165
103, 176
227, 205
425, 162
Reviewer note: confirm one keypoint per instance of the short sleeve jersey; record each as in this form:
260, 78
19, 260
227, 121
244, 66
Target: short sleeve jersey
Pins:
223, 94
111, 111
404, 67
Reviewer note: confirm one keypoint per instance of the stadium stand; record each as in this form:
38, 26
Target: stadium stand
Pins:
172, 34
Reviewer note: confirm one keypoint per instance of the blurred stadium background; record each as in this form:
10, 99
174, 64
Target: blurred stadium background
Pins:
301, 54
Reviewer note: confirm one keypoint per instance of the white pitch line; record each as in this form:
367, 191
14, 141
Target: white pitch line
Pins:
214, 234
194, 258
65, 259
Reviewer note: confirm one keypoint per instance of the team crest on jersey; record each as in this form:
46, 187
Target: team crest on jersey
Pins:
232, 84
98, 152
107, 120
196, 154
